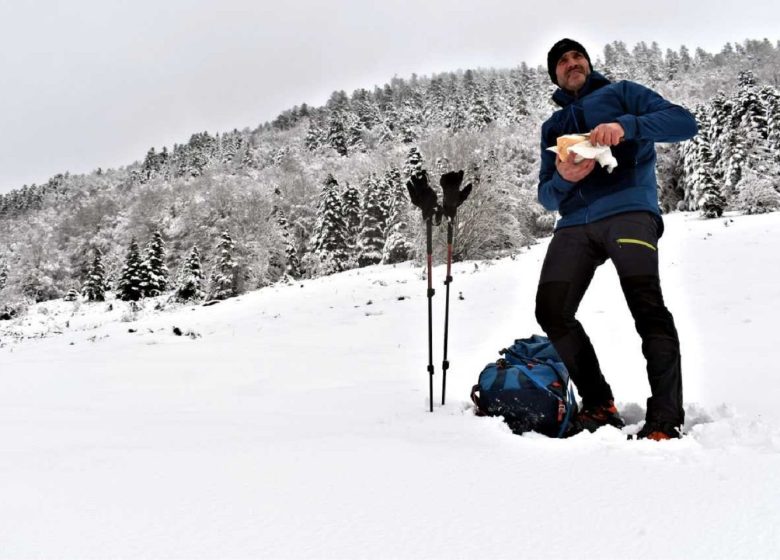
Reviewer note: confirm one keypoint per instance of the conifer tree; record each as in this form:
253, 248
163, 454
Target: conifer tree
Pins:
434, 103
711, 201
222, 284
287, 264
190, 283
478, 113
354, 134
399, 246
365, 108
3, 274
350, 207
94, 288
131, 281
371, 239
293, 267
155, 271
314, 136
770, 98
330, 244
337, 135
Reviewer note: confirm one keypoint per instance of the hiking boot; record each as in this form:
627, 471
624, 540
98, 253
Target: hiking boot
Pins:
659, 431
593, 418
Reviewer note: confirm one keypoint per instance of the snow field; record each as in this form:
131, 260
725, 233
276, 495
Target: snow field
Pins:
293, 423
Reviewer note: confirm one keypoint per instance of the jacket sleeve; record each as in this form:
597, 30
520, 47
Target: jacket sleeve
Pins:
552, 187
651, 117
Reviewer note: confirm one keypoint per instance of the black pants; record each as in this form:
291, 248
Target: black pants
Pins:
631, 241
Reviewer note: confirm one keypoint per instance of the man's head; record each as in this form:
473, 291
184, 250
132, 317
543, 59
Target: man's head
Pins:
568, 64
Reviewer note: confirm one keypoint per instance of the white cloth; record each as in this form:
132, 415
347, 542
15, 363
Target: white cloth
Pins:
586, 150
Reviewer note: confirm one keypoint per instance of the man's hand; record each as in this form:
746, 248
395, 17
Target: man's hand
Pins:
607, 134
574, 172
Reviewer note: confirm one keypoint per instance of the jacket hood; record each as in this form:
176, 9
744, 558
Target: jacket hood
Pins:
595, 81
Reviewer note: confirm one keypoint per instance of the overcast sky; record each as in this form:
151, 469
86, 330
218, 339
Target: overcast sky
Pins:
96, 83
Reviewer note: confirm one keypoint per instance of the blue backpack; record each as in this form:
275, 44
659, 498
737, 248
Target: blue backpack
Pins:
529, 387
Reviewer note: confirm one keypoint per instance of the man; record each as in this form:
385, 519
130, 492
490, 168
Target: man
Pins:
608, 216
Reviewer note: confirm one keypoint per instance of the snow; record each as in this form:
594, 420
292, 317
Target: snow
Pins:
292, 422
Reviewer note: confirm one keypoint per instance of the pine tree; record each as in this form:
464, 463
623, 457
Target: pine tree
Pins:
711, 202
354, 134
330, 244
130, 283
94, 288
371, 238
222, 284
770, 98
315, 137
364, 108
190, 283
293, 267
283, 262
478, 114
350, 207
3, 274
618, 62
399, 246
155, 271
337, 136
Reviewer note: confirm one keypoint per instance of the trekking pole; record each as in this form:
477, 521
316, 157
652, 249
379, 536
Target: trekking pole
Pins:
453, 197
431, 292
447, 281
425, 198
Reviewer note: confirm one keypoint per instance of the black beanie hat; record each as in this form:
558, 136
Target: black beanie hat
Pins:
558, 50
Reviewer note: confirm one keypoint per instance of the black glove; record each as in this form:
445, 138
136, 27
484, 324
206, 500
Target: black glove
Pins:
422, 195
453, 197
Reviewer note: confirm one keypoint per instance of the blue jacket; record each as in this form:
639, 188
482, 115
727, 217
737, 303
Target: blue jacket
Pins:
646, 118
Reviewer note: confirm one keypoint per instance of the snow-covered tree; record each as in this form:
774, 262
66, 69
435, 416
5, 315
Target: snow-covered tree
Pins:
155, 271
350, 209
337, 134
711, 201
94, 288
189, 286
478, 112
315, 137
130, 286
371, 237
286, 262
223, 281
758, 193
399, 244
330, 243
3, 274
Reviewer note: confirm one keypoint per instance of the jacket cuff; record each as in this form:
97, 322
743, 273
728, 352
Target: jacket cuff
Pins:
629, 124
560, 184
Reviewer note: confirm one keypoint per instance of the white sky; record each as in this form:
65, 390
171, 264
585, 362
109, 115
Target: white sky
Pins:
95, 83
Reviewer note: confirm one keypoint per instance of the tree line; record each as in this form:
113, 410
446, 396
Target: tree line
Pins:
321, 189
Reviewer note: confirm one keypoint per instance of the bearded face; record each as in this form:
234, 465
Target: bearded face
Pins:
572, 70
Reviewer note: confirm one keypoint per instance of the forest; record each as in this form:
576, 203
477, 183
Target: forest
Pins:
322, 189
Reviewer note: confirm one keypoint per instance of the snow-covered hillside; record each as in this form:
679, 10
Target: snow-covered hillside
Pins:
292, 422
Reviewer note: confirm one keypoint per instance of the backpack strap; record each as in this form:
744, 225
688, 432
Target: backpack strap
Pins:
526, 359
569, 410
475, 399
